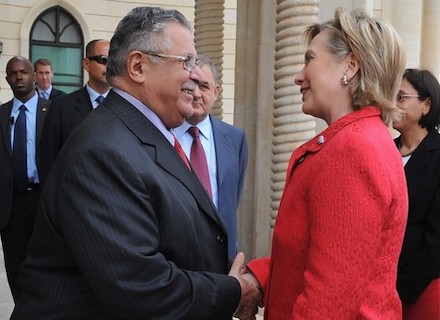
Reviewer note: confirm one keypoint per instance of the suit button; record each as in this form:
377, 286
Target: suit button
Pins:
220, 239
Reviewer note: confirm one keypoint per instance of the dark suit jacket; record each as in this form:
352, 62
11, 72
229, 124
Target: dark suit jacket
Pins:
65, 114
125, 230
55, 93
419, 261
231, 155
6, 183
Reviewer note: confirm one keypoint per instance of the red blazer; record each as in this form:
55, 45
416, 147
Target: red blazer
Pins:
340, 226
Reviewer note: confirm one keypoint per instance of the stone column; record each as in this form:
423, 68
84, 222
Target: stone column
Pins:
291, 127
406, 17
430, 46
253, 109
208, 33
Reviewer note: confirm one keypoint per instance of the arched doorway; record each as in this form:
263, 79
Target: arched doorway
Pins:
57, 36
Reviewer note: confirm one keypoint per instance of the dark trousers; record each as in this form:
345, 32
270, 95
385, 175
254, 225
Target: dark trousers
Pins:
17, 233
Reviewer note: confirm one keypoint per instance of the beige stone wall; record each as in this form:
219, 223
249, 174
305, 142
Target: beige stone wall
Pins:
98, 19
407, 17
229, 45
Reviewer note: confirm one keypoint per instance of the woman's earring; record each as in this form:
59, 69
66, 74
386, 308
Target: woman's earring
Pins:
344, 80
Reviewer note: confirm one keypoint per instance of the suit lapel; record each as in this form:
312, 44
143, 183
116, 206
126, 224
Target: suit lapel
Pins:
422, 157
170, 161
166, 156
222, 149
413, 167
5, 115
83, 104
42, 109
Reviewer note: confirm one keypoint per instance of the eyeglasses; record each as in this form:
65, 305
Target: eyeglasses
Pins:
100, 59
189, 61
402, 97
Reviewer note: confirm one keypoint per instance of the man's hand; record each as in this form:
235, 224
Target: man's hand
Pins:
251, 295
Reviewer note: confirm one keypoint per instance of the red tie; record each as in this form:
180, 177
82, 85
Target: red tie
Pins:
181, 153
198, 159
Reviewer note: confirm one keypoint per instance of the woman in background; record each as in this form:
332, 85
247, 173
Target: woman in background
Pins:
418, 274
342, 215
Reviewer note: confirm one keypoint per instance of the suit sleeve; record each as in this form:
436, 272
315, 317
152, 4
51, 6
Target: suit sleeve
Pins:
112, 227
260, 269
243, 165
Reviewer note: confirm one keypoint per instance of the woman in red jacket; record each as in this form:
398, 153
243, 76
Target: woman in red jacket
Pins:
342, 215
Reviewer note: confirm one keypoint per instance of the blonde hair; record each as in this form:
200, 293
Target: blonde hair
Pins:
378, 48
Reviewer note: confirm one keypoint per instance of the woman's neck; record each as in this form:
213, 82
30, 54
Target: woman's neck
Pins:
409, 141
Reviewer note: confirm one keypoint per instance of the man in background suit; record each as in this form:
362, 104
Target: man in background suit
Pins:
125, 229
225, 147
19, 199
43, 74
67, 112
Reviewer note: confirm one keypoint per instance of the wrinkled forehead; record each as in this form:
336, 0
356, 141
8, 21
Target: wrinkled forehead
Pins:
206, 75
181, 39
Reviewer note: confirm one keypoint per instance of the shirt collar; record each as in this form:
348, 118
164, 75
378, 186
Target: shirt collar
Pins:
93, 94
48, 90
204, 127
148, 113
31, 104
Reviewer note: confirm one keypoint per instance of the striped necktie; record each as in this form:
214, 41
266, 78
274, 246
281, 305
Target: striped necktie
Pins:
198, 159
44, 94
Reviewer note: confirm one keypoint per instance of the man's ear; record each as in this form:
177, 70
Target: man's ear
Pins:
137, 66
85, 64
217, 90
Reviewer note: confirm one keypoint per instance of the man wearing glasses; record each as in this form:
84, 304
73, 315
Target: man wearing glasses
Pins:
69, 110
224, 153
125, 229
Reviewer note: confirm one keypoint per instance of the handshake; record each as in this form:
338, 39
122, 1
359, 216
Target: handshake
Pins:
251, 292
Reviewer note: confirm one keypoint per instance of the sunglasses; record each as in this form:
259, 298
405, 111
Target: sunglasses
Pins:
100, 59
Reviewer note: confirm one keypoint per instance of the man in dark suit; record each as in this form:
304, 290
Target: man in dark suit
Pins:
43, 74
125, 229
19, 185
67, 112
225, 147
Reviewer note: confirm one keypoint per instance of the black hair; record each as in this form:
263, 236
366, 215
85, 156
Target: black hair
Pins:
427, 87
